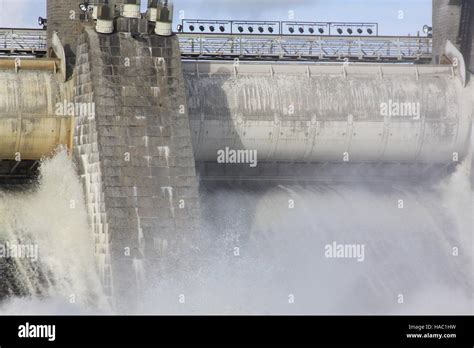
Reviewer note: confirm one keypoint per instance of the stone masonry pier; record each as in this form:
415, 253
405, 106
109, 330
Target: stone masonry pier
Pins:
135, 155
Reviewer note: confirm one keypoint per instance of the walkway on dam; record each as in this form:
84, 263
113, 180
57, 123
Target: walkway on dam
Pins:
206, 46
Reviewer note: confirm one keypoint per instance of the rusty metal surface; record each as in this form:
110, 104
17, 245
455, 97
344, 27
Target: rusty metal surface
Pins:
18, 64
33, 138
30, 126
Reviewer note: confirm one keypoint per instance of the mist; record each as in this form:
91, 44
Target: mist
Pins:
51, 216
262, 249
259, 256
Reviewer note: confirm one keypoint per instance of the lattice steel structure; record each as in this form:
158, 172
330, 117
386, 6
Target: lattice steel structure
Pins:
254, 47
23, 42
362, 48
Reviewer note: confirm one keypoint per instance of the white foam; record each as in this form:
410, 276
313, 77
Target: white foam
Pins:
54, 217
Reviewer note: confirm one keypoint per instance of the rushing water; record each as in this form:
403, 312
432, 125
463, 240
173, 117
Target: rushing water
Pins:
51, 218
280, 265
262, 250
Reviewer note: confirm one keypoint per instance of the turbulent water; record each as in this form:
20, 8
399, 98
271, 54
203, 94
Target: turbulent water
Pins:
52, 218
263, 249
411, 263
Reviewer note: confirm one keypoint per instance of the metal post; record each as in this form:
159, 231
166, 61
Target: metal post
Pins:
241, 48
399, 49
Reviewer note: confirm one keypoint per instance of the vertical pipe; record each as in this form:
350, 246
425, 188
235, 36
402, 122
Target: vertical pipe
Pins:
105, 17
164, 18
131, 9
152, 12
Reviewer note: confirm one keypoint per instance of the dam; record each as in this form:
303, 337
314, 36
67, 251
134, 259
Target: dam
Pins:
143, 112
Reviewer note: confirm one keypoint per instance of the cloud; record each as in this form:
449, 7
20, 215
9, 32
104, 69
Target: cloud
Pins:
242, 9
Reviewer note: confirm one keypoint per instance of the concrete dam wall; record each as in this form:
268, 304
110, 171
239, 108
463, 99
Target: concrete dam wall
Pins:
318, 113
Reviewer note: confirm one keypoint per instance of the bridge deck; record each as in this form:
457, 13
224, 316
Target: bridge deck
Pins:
33, 42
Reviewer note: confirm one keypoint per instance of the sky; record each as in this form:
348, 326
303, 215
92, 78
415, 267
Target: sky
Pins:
395, 17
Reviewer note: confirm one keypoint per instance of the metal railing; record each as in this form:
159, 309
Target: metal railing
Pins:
253, 47
363, 48
23, 42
